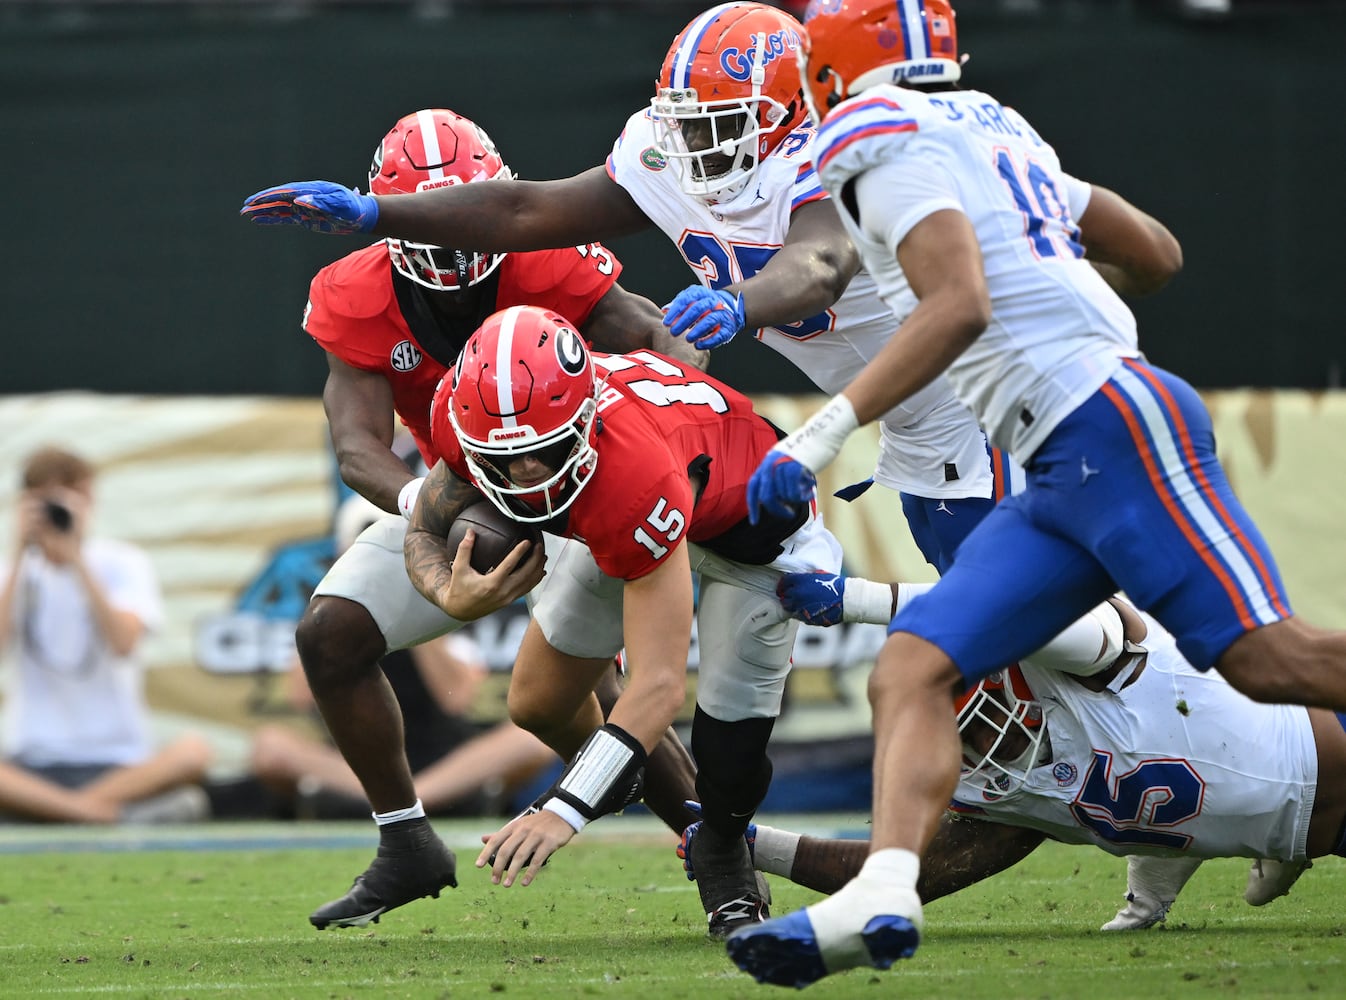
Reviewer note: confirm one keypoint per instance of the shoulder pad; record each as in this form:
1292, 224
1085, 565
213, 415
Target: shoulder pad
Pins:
357, 286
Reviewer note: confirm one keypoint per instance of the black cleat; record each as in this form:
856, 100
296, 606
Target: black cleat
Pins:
732, 894
411, 862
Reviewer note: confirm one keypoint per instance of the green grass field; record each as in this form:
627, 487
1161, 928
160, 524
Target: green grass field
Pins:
83, 913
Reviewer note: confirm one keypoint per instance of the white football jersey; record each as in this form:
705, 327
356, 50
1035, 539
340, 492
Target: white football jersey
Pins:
1057, 330
931, 445
1178, 762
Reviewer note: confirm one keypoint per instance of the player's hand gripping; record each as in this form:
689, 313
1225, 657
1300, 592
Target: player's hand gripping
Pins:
815, 598
705, 316
786, 476
471, 595
523, 845
318, 205
779, 486
684, 847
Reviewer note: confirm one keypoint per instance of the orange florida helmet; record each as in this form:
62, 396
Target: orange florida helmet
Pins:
852, 45
727, 95
997, 716
524, 385
430, 149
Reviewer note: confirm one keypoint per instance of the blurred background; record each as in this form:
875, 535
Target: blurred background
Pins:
151, 329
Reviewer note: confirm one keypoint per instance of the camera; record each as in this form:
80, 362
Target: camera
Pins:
58, 514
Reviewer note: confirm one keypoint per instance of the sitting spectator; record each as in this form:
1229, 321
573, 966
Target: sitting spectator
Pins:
460, 768
75, 609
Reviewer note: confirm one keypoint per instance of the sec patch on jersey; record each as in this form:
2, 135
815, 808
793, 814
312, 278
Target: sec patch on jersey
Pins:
496, 534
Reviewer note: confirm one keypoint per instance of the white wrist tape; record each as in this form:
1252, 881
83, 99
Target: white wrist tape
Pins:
866, 601
406, 499
820, 439
567, 812
907, 592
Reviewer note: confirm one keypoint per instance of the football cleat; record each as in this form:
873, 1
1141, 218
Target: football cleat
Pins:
732, 894
412, 862
1152, 884
688, 835
1268, 880
787, 952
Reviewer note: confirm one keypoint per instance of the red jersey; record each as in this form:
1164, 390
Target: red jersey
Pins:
656, 421
357, 312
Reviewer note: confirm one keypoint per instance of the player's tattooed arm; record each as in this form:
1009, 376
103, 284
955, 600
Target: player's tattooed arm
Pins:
965, 851
447, 578
443, 496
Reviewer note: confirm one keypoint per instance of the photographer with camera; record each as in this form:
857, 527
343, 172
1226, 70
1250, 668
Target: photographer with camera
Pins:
73, 611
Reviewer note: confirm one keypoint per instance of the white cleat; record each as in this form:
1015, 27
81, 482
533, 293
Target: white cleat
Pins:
1152, 884
1268, 880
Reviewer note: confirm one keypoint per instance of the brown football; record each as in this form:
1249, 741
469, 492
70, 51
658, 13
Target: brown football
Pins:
496, 535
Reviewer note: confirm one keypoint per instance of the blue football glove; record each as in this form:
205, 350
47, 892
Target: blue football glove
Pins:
815, 598
706, 317
689, 834
318, 205
779, 487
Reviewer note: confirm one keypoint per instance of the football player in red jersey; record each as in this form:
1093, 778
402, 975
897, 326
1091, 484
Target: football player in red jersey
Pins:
392, 317
646, 461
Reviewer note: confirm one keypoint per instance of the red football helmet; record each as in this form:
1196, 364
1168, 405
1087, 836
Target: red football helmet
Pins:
430, 149
851, 45
525, 385
727, 95
1000, 708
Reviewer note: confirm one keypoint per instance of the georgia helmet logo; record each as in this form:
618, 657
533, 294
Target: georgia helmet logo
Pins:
570, 352
405, 356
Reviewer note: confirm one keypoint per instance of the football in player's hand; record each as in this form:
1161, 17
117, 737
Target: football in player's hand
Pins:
496, 535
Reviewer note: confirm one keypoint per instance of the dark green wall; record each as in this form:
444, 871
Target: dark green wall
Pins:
132, 134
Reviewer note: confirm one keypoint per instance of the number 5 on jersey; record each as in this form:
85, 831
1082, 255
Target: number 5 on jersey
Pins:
666, 523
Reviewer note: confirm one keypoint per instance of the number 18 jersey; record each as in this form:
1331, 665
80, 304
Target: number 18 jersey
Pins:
1057, 331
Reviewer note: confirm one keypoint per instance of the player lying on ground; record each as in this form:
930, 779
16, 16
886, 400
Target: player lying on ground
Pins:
1150, 758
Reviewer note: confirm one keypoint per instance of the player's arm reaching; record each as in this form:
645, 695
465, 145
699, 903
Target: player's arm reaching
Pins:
447, 578
804, 278
505, 215
1134, 252
606, 774
943, 264
622, 322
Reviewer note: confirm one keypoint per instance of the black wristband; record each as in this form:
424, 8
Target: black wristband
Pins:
607, 774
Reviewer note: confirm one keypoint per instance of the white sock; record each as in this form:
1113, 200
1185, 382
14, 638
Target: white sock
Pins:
891, 865
397, 815
774, 852
886, 884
